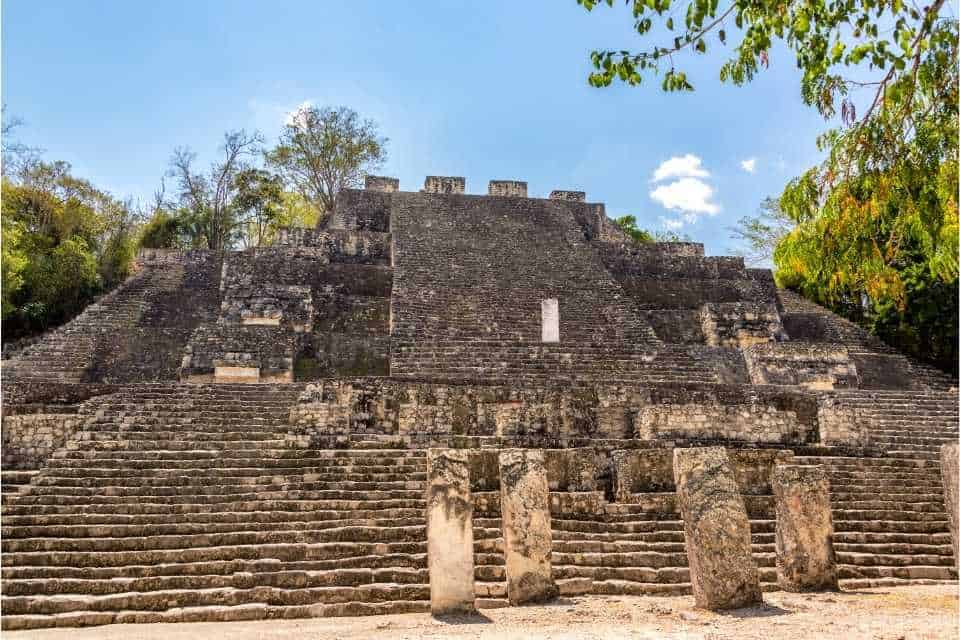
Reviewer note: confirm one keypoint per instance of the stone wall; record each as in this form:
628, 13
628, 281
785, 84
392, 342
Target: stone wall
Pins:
820, 366
551, 416
842, 425
745, 423
29, 439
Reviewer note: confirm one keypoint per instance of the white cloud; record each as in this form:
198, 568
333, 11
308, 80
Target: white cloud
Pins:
672, 224
291, 115
687, 166
749, 165
688, 196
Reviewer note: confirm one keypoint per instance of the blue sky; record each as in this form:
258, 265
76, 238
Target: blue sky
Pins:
487, 90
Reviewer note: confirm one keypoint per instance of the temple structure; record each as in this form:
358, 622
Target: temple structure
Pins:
245, 435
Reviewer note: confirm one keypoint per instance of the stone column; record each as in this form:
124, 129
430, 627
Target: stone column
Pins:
723, 574
948, 471
450, 532
805, 558
525, 510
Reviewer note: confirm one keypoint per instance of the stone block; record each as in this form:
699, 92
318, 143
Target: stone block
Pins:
723, 574
525, 512
948, 470
641, 471
236, 374
381, 183
450, 532
444, 184
508, 188
550, 320
569, 196
841, 425
805, 557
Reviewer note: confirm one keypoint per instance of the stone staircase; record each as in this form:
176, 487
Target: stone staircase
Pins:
134, 333
180, 503
888, 513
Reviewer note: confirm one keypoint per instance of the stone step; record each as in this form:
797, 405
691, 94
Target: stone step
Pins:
287, 552
357, 533
284, 579
254, 518
217, 567
140, 508
347, 488
93, 497
176, 599
214, 614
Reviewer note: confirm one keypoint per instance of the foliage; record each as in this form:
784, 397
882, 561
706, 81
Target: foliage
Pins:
873, 230
64, 241
258, 202
162, 231
324, 150
628, 224
211, 217
760, 234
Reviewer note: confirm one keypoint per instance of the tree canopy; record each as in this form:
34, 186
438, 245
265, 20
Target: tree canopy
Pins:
871, 232
324, 150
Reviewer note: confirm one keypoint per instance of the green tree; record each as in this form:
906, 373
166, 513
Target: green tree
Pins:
322, 151
210, 214
258, 204
873, 228
628, 224
759, 235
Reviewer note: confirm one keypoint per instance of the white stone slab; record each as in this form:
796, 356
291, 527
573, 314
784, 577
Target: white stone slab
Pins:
550, 320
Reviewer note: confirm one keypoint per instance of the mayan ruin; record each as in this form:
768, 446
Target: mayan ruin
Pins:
267, 433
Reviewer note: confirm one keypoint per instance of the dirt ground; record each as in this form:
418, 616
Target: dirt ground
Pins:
907, 613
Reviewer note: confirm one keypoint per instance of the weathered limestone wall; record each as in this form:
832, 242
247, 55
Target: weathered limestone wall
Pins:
842, 425
814, 366
740, 324
525, 512
449, 532
723, 574
29, 439
444, 184
805, 557
507, 188
753, 422
949, 462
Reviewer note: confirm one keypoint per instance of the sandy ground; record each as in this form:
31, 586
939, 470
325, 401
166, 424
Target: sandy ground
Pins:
906, 613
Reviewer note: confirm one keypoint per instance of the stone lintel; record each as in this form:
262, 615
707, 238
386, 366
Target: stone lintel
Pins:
222, 373
381, 183
569, 196
723, 574
261, 321
805, 557
948, 471
445, 184
510, 188
525, 512
450, 532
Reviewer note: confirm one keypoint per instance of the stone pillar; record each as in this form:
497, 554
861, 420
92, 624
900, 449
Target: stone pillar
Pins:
525, 510
723, 574
948, 471
450, 532
570, 196
509, 188
444, 184
805, 558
